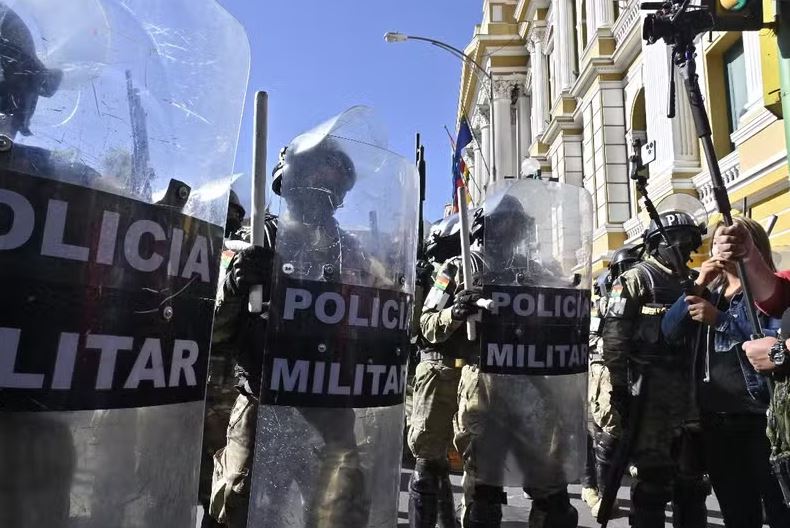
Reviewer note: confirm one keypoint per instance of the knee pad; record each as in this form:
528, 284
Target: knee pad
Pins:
688, 501
652, 489
604, 446
485, 508
690, 488
426, 476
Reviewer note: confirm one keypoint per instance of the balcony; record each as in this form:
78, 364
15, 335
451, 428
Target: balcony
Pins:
629, 18
730, 167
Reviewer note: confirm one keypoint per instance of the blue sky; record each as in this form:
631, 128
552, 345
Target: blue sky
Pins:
318, 57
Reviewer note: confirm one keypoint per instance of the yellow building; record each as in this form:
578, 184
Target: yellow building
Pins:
574, 84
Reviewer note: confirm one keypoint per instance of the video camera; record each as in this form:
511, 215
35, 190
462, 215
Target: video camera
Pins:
675, 22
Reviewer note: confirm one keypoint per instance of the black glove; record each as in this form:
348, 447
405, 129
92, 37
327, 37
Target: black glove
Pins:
424, 272
251, 265
464, 304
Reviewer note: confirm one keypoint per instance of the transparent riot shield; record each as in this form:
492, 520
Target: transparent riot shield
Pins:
528, 421
330, 420
118, 128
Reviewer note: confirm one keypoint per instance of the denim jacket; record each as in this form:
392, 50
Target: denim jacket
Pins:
732, 328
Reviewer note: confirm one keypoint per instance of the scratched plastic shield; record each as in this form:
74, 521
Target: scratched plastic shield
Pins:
528, 425
120, 121
330, 419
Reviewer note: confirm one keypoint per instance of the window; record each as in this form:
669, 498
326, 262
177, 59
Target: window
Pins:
735, 77
496, 13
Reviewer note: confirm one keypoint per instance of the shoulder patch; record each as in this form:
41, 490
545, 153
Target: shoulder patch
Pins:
227, 256
617, 291
441, 282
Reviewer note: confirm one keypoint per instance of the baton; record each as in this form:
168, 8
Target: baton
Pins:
466, 257
258, 209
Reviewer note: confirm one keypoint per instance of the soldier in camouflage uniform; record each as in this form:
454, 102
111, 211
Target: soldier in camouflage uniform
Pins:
434, 403
602, 414
220, 391
448, 305
234, 411
634, 347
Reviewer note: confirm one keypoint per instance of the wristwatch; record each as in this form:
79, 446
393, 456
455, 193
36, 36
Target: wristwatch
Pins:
778, 352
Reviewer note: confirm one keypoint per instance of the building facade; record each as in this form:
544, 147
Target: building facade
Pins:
574, 84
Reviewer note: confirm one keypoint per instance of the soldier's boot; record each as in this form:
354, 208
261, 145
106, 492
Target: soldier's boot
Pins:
553, 511
688, 502
590, 494
649, 496
208, 521
423, 494
340, 499
446, 504
604, 448
484, 507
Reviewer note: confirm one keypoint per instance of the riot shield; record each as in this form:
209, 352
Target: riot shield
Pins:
531, 413
330, 420
118, 126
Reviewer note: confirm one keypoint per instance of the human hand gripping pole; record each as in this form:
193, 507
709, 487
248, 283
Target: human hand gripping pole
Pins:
258, 209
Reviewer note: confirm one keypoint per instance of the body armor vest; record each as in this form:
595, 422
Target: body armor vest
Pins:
664, 291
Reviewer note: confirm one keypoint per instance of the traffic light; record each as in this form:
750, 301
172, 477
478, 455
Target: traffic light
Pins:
735, 15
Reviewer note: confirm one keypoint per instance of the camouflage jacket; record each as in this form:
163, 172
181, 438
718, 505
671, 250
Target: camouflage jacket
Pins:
632, 326
437, 326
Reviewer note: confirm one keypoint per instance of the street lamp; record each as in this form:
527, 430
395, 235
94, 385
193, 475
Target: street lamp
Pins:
393, 36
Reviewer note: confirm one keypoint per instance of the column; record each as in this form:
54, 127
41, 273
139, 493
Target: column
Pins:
481, 121
564, 43
677, 145
504, 137
479, 171
524, 124
604, 13
540, 108
591, 23
753, 63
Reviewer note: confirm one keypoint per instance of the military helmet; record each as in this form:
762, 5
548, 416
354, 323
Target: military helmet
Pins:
623, 259
277, 172
503, 211
444, 238
678, 225
24, 76
234, 203
324, 167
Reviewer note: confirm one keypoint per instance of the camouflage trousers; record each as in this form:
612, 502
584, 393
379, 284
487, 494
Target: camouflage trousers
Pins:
666, 410
779, 419
434, 403
219, 403
604, 417
333, 497
230, 487
488, 431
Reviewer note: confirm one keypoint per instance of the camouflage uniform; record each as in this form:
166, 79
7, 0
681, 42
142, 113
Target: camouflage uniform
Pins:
662, 451
221, 393
434, 403
779, 426
235, 331
474, 423
603, 415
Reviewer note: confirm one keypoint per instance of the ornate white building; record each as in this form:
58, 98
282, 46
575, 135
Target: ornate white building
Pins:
574, 84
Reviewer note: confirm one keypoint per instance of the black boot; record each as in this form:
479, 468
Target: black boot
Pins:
423, 495
484, 508
446, 504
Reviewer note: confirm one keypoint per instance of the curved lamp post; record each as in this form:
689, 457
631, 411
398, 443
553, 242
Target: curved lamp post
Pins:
393, 36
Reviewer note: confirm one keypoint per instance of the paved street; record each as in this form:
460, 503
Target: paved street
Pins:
517, 509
